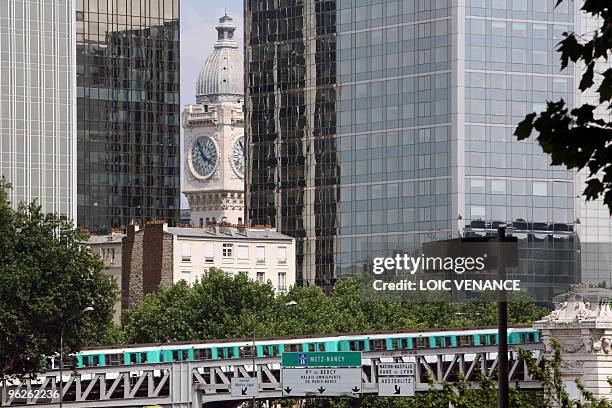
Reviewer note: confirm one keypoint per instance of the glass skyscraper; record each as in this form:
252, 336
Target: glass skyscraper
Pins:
375, 126
128, 111
37, 135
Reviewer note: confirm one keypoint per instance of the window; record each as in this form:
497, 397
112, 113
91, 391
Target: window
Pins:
477, 186
202, 354
209, 254
281, 255
498, 186
294, 348
282, 281
261, 276
185, 252
228, 250
478, 212
114, 359
540, 188
260, 254
465, 341
243, 252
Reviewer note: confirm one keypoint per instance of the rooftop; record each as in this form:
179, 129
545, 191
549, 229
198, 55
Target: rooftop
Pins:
228, 232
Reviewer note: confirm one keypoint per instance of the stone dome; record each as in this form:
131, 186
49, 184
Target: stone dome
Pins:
222, 76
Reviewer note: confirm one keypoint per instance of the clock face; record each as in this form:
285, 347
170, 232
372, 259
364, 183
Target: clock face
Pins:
238, 157
204, 157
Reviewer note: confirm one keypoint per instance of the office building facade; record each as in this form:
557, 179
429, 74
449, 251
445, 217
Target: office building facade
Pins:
128, 112
594, 221
375, 126
37, 135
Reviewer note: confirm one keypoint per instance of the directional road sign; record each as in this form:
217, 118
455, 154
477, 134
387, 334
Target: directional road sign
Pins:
322, 359
244, 387
396, 386
325, 382
396, 379
395, 369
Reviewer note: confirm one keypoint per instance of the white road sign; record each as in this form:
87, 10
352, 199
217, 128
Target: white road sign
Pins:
244, 386
396, 386
323, 382
395, 369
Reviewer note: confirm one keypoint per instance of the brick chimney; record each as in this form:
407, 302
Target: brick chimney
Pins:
127, 249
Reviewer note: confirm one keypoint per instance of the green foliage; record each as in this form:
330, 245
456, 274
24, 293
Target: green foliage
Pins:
218, 306
577, 138
464, 395
221, 306
555, 395
46, 276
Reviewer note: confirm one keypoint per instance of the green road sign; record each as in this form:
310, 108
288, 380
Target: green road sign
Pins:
323, 359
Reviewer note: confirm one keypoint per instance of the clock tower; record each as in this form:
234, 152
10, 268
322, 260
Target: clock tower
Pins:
214, 135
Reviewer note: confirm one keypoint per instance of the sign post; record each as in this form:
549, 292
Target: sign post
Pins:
396, 379
323, 374
246, 387
323, 359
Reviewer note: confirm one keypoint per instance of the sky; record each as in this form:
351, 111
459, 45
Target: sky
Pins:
198, 36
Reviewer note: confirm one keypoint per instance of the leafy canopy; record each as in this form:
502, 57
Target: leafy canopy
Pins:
47, 275
221, 306
579, 138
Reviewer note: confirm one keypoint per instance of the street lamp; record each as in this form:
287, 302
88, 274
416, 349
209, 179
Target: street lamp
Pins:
254, 350
61, 367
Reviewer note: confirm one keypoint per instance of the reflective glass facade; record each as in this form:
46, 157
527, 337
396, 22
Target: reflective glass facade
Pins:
37, 136
511, 69
128, 110
374, 126
595, 228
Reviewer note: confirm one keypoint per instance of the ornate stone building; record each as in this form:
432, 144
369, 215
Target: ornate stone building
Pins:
214, 141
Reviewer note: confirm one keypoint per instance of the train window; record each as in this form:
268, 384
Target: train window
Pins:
422, 342
528, 338
229, 352
483, 340
493, 339
376, 344
95, 361
178, 355
143, 357
440, 341
465, 341
321, 346
269, 351
357, 345
293, 348
114, 359
133, 358
396, 344
245, 351
203, 354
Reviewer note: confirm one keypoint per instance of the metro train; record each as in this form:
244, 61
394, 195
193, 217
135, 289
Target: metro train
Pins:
273, 347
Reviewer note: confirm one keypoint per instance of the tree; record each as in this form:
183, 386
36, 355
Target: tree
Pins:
579, 138
218, 306
221, 306
47, 275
